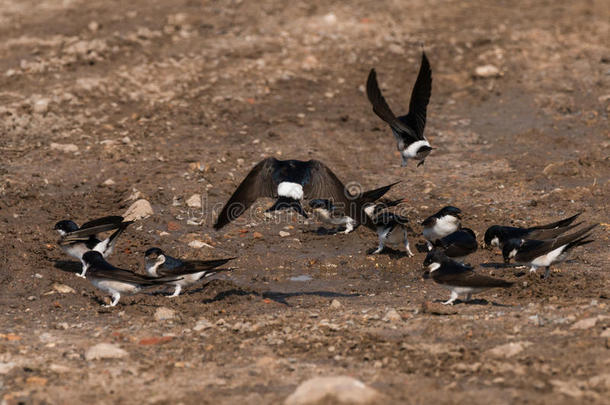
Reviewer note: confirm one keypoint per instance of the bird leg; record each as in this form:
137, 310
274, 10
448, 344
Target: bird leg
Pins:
116, 296
533, 269
451, 299
468, 297
547, 272
430, 245
176, 291
407, 248
348, 227
382, 237
85, 267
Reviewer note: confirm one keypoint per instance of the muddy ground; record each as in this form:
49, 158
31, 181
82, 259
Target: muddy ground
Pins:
105, 102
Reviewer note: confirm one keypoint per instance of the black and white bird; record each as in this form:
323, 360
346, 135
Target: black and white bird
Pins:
115, 281
76, 241
441, 224
497, 235
407, 129
159, 264
543, 253
290, 181
328, 212
390, 227
459, 278
459, 244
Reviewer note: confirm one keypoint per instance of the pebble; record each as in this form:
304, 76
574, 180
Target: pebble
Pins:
194, 201
164, 314
6, 367
41, 106
340, 389
62, 288
586, 323
335, 304
64, 147
257, 235
202, 324
108, 183
138, 210
198, 244
487, 71
508, 349
283, 234
392, 316
105, 351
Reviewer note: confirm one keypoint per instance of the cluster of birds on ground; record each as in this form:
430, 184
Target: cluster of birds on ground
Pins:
291, 181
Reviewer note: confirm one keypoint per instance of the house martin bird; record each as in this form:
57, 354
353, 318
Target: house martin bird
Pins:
459, 244
159, 264
441, 224
497, 235
407, 129
289, 181
115, 281
458, 277
390, 227
327, 212
76, 241
543, 253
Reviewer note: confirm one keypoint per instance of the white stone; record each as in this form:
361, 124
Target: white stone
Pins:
64, 147
108, 183
41, 106
5, 368
341, 389
283, 234
197, 244
105, 351
202, 324
62, 288
194, 201
486, 71
335, 304
508, 349
392, 316
586, 323
138, 210
164, 314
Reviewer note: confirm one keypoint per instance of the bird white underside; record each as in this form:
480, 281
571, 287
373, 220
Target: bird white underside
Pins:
462, 289
495, 241
113, 286
411, 151
291, 190
433, 266
153, 267
549, 258
444, 226
325, 216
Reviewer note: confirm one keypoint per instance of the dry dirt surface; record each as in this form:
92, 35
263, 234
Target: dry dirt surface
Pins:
106, 102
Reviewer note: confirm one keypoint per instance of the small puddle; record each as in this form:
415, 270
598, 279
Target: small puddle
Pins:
303, 277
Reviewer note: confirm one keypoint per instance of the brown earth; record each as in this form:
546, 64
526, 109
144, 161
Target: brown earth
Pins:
174, 98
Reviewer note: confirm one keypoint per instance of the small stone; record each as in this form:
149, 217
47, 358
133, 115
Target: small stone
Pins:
6, 367
335, 304
605, 333
41, 106
487, 71
240, 162
202, 324
283, 234
257, 235
508, 349
586, 323
126, 140
62, 288
35, 380
194, 201
138, 210
164, 314
198, 244
64, 147
93, 26
58, 368
392, 316
397, 49
341, 389
105, 351
330, 18
108, 183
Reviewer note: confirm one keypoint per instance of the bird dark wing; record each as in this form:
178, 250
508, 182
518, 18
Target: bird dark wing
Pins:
383, 111
194, 266
94, 227
127, 276
258, 183
560, 223
531, 249
458, 243
541, 234
324, 184
420, 97
462, 275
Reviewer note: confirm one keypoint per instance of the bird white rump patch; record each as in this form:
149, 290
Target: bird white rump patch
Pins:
412, 149
292, 190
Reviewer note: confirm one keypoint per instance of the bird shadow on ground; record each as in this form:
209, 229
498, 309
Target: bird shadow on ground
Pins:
502, 265
476, 301
392, 253
421, 247
280, 297
69, 266
321, 231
